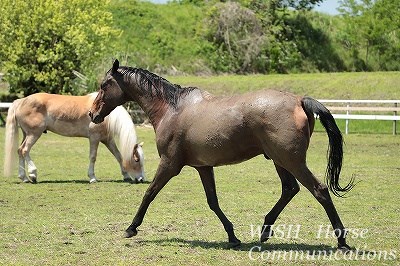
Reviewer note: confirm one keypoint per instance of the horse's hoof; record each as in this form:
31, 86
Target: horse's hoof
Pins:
130, 233
93, 180
267, 234
129, 181
344, 248
234, 244
33, 180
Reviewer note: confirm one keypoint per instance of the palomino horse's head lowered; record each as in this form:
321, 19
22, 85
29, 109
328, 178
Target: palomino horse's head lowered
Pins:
110, 93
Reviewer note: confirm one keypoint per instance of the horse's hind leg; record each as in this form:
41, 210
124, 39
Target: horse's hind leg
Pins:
23, 153
321, 193
290, 187
21, 166
208, 180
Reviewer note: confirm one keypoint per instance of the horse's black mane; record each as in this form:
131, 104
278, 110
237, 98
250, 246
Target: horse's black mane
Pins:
154, 85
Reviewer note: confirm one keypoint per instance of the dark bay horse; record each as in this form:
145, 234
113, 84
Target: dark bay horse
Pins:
197, 129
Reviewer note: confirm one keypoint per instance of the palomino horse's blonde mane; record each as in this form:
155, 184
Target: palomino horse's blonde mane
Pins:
119, 126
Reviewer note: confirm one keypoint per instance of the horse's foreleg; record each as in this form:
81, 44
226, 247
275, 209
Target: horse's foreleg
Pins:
165, 172
21, 164
321, 193
112, 147
208, 180
290, 187
94, 144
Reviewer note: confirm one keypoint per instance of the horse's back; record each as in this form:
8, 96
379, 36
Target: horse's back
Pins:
62, 114
225, 130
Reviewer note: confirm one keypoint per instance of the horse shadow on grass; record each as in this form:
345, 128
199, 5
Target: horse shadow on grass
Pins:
254, 246
81, 181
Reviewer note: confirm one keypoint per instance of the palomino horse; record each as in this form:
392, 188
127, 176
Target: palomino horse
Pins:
68, 116
194, 128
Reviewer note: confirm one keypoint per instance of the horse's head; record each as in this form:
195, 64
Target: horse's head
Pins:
135, 165
110, 95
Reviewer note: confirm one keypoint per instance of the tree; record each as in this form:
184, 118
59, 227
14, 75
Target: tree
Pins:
237, 34
387, 34
254, 36
43, 41
372, 27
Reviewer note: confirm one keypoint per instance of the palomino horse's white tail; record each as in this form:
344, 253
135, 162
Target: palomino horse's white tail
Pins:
120, 126
11, 140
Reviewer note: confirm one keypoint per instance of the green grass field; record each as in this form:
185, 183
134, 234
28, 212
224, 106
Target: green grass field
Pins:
64, 220
361, 85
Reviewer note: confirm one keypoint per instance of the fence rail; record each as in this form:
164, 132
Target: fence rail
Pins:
364, 110
5, 105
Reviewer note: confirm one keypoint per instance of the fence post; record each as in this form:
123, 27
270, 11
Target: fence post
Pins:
347, 120
394, 121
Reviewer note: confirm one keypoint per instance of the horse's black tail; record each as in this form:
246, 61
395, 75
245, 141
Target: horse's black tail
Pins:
335, 148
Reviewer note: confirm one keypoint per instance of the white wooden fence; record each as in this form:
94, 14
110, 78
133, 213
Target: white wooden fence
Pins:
385, 110
2, 107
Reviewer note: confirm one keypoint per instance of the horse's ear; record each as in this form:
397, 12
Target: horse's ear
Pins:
115, 66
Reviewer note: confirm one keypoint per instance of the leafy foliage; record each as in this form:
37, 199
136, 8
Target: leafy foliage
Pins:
238, 36
372, 33
51, 39
44, 41
250, 36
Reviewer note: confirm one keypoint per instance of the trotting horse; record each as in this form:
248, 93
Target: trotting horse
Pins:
68, 116
194, 128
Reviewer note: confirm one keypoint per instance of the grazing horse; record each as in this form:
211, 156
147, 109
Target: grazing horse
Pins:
68, 116
197, 129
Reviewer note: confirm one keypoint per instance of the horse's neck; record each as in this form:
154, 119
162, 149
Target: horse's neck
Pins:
154, 108
157, 107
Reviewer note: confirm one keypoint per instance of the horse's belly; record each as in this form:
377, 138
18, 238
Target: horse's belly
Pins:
216, 149
69, 129
222, 156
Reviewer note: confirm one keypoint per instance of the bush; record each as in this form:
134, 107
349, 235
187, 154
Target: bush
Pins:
50, 40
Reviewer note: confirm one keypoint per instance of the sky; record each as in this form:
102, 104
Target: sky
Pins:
327, 6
